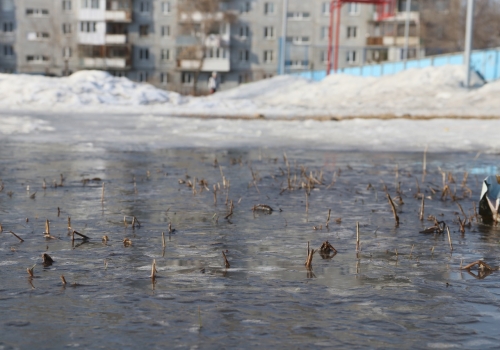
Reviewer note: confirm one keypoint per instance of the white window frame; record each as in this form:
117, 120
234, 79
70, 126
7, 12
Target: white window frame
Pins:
269, 32
37, 36
244, 32
8, 27
166, 8
325, 8
269, 8
36, 59
165, 31
37, 12
187, 78
66, 5
145, 7
246, 7
268, 56
67, 28
144, 54
244, 55
353, 9
67, 52
165, 55
298, 16
351, 32
351, 57
164, 78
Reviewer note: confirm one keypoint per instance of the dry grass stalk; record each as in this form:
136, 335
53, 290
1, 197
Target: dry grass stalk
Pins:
357, 236
231, 207
47, 227
125, 221
69, 223
63, 280
1, 228
449, 238
135, 222
215, 195
153, 271
481, 265
422, 207
127, 242
19, 238
309, 260
464, 181
307, 202
80, 234
393, 207
328, 218
105, 239
163, 239
226, 262
47, 260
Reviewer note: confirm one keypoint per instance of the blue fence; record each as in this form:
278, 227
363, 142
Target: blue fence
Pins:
485, 62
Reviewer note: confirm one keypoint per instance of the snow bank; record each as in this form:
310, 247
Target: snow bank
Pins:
433, 91
84, 88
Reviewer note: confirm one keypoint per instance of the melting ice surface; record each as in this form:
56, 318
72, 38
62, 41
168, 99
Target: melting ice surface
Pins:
403, 289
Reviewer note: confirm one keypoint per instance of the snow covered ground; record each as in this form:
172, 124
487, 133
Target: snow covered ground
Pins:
427, 92
94, 110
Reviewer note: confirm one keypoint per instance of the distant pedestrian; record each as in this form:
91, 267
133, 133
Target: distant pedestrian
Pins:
213, 83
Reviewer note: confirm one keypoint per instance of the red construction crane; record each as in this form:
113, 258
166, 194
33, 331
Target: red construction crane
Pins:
385, 9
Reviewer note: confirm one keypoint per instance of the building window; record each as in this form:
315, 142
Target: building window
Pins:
67, 52
165, 30
298, 40
37, 59
352, 32
66, 28
351, 57
8, 50
298, 16
353, 9
244, 31
325, 8
66, 5
144, 7
325, 32
8, 27
90, 4
144, 54
268, 56
165, 7
244, 55
324, 56
269, 32
143, 30
186, 78
294, 64
7, 5
269, 8
88, 27
143, 76
33, 36
246, 7
37, 12
164, 78
118, 73
165, 54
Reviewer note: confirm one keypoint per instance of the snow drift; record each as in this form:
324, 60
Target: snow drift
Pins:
433, 91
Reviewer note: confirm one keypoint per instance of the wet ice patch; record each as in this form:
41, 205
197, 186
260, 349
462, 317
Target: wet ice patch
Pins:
11, 125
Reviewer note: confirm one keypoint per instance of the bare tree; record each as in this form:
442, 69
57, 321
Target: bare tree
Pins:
443, 25
201, 24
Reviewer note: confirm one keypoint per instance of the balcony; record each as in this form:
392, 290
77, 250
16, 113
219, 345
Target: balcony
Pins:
115, 39
123, 16
104, 63
209, 65
391, 41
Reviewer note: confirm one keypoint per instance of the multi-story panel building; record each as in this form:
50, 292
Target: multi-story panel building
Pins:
149, 40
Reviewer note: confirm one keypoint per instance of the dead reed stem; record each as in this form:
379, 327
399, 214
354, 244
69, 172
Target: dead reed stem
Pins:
19, 238
163, 239
449, 237
307, 203
328, 218
153, 271
80, 234
396, 217
63, 280
357, 236
310, 255
226, 263
422, 207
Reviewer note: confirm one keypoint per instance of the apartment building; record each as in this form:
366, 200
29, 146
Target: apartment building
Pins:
149, 40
